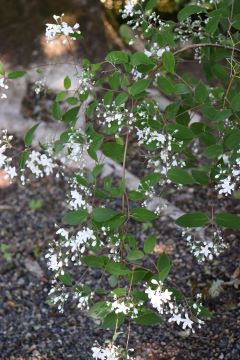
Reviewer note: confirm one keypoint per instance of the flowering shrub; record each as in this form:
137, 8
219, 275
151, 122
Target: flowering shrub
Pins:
180, 148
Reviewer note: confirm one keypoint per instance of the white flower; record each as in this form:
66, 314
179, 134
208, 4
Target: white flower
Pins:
82, 238
53, 263
158, 297
176, 318
60, 28
225, 186
77, 200
64, 233
2, 159
40, 164
187, 322
10, 172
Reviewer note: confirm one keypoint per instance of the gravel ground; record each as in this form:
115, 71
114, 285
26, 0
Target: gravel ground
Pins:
31, 329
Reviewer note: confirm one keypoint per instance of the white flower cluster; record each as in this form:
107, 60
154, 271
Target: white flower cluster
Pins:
157, 296
125, 306
58, 295
133, 11
39, 86
82, 298
147, 136
5, 161
40, 164
229, 184
156, 51
61, 28
75, 149
3, 87
86, 81
181, 317
110, 115
161, 299
110, 352
205, 249
206, 2
69, 248
189, 28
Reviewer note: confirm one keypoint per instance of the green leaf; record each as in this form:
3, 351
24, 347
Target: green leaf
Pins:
135, 255
180, 176
231, 221
139, 86
103, 214
113, 150
165, 85
67, 82
236, 22
95, 261
75, 217
16, 74
70, 116
135, 195
117, 57
99, 310
150, 5
137, 275
23, 159
144, 215
150, 180
117, 269
197, 219
200, 176
164, 266
213, 151
149, 244
56, 111
189, 10
61, 96
232, 140
113, 320
114, 80
29, 135
180, 132
201, 92
212, 24
139, 58
121, 98
235, 103
168, 61
2, 69
148, 318
65, 279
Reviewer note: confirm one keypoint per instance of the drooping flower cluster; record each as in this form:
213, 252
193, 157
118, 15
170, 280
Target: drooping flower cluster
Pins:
40, 164
158, 297
3, 87
110, 352
5, 160
190, 28
125, 305
114, 116
86, 81
39, 86
156, 51
163, 300
134, 12
205, 249
230, 183
61, 28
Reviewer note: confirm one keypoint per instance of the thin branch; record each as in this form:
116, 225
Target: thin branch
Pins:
196, 46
